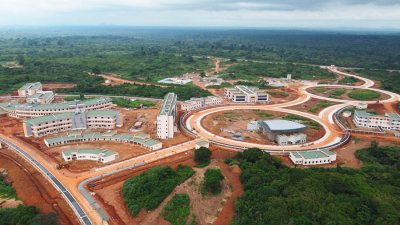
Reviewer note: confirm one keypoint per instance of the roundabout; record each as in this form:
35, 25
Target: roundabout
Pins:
333, 135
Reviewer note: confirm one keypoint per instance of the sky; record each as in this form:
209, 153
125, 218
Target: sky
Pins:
324, 14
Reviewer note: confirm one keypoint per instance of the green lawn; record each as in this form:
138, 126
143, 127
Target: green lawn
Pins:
338, 92
361, 94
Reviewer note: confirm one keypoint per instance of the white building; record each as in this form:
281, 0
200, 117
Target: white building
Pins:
323, 156
97, 119
197, 103
175, 80
361, 105
284, 132
166, 118
41, 97
29, 89
291, 139
253, 126
244, 94
391, 121
100, 155
29, 110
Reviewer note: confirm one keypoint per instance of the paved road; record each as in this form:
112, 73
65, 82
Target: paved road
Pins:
80, 213
85, 207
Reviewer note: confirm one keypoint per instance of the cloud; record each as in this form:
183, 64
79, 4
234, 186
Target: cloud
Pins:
250, 13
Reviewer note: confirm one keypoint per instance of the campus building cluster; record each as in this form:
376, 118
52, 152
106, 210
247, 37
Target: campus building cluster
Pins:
245, 94
166, 118
140, 139
283, 132
99, 155
34, 93
322, 156
29, 110
78, 120
197, 103
390, 121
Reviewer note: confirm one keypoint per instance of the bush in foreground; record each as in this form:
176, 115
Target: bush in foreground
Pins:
149, 189
202, 156
212, 181
275, 194
177, 210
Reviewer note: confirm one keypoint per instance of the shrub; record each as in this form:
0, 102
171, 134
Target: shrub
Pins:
202, 156
212, 181
149, 189
177, 210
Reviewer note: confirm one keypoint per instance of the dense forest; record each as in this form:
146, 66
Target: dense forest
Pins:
275, 194
67, 55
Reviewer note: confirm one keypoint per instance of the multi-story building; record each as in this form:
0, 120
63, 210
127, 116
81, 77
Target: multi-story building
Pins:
244, 94
79, 120
284, 132
322, 156
100, 155
166, 118
29, 89
41, 97
29, 110
390, 121
140, 139
197, 103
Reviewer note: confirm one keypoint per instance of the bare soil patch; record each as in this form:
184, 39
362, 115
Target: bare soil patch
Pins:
54, 86
33, 189
313, 102
227, 123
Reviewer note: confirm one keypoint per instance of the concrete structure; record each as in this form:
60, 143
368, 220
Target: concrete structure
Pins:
253, 126
142, 140
197, 103
166, 118
391, 121
100, 155
289, 77
347, 113
29, 110
175, 80
322, 156
284, 132
200, 144
361, 105
244, 94
79, 120
30, 89
41, 97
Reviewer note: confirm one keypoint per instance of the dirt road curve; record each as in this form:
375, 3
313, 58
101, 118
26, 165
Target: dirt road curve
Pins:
72, 180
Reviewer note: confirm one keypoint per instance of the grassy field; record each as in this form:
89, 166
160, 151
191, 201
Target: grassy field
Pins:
319, 105
348, 80
338, 92
360, 94
132, 104
255, 70
177, 210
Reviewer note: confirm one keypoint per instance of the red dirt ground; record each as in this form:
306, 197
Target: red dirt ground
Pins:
33, 189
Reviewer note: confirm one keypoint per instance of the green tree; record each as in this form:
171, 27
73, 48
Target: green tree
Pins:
20, 59
96, 70
202, 155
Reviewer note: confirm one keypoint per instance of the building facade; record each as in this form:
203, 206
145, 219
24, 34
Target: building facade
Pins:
390, 121
244, 94
79, 120
30, 89
283, 132
322, 156
29, 110
140, 139
41, 97
100, 155
166, 118
197, 103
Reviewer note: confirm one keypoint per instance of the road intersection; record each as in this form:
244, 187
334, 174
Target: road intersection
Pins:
91, 214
